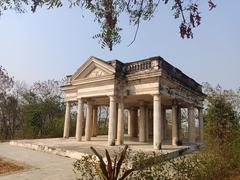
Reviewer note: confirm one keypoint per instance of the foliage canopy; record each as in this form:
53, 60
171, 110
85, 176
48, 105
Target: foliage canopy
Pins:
107, 14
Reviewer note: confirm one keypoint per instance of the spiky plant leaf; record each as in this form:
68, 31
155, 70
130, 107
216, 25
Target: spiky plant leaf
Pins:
109, 165
102, 163
122, 157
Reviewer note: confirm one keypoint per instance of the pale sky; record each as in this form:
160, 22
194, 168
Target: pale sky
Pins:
53, 43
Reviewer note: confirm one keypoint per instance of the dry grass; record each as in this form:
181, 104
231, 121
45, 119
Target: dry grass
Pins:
8, 166
235, 175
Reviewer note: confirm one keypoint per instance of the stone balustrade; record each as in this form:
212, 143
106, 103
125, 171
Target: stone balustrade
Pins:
68, 79
139, 66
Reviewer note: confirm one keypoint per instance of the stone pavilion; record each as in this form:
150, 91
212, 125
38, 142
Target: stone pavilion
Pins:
145, 88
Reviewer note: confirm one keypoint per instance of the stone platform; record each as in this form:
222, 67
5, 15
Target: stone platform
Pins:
73, 149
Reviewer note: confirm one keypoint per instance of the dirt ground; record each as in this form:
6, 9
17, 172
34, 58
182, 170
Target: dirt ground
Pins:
8, 166
235, 175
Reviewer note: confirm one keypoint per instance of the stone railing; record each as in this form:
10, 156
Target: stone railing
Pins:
69, 78
139, 66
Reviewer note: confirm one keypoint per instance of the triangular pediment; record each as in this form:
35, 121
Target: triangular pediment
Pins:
93, 68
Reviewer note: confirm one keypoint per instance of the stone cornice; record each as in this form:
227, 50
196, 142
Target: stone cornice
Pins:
166, 76
143, 75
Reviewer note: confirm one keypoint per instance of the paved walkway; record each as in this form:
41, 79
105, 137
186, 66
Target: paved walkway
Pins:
42, 165
49, 166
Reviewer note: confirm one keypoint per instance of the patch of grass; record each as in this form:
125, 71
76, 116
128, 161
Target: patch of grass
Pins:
8, 166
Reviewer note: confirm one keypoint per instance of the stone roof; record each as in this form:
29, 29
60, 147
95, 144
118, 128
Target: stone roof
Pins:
123, 69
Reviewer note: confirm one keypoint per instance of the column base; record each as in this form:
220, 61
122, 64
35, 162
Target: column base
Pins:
120, 143
111, 144
176, 142
157, 146
78, 139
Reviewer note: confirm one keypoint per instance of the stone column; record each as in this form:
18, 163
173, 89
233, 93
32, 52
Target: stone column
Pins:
116, 121
150, 122
79, 126
191, 125
120, 126
179, 125
134, 121
129, 122
142, 123
200, 118
112, 121
89, 121
175, 126
147, 123
157, 122
94, 129
163, 118
67, 120
165, 122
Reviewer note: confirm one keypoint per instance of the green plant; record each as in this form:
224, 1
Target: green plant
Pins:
94, 167
111, 170
125, 164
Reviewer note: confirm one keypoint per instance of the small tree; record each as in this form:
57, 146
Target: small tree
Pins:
222, 133
221, 121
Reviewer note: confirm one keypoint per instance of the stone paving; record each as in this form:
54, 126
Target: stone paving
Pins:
71, 148
41, 166
55, 164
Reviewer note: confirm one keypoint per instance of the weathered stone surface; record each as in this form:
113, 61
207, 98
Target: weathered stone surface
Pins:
133, 85
73, 149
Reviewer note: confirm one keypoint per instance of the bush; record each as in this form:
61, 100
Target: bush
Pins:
217, 159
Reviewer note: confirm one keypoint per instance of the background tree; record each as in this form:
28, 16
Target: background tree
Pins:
8, 105
44, 108
25, 112
221, 133
107, 13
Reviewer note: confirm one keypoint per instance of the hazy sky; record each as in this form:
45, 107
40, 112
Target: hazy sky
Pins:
53, 43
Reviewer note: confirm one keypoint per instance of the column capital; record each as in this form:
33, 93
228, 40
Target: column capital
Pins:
113, 98
156, 97
90, 101
68, 103
191, 106
120, 99
174, 102
80, 100
141, 103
